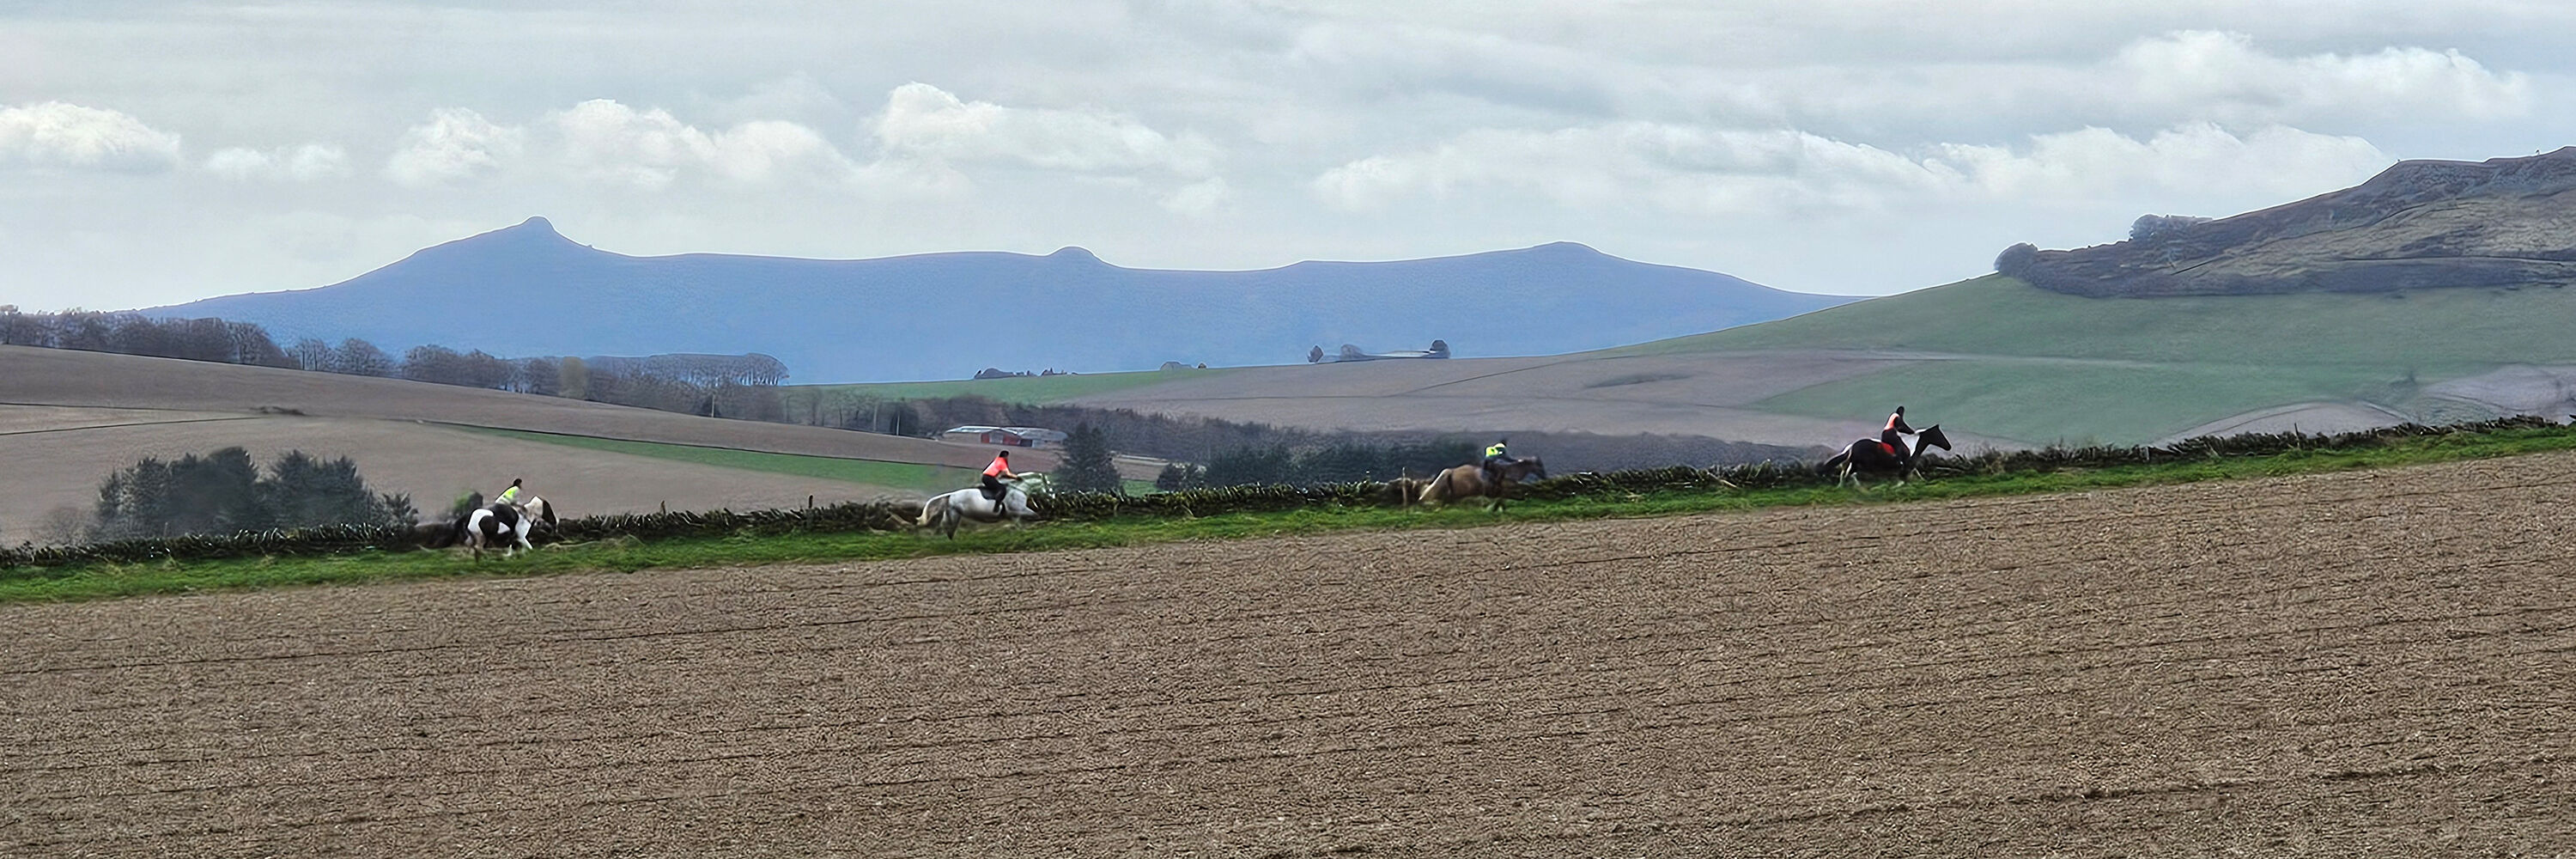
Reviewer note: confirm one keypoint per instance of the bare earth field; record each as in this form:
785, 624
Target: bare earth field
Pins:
68, 419
1703, 394
62, 377
433, 464
2360, 664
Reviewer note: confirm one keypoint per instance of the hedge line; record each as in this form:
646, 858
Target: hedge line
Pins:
29, 560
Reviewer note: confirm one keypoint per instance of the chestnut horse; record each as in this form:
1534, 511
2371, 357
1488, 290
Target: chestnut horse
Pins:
1468, 481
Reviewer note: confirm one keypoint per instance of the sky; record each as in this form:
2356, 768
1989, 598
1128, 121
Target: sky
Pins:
159, 152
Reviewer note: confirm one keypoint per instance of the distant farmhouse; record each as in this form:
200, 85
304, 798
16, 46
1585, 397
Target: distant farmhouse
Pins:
1439, 349
1007, 436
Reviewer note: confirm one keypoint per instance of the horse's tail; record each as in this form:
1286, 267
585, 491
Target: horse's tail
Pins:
456, 535
1439, 487
1837, 460
931, 510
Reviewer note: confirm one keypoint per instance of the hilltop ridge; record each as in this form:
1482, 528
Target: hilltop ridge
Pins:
2425, 224
529, 290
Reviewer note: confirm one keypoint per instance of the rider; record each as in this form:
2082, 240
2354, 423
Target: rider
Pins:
1893, 437
1495, 458
510, 495
995, 473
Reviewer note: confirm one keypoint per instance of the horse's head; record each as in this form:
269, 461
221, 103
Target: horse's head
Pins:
1531, 466
538, 508
1931, 437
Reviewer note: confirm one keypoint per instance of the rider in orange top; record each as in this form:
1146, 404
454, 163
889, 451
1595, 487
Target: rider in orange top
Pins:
996, 472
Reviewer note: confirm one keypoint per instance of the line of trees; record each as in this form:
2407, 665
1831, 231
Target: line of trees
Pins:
734, 386
225, 492
135, 334
1203, 440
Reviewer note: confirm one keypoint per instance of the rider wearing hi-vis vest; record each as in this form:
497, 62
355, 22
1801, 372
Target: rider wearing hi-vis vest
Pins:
510, 495
996, 472
1494, 456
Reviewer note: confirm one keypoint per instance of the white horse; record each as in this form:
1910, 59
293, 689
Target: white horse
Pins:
945, 511
504, 525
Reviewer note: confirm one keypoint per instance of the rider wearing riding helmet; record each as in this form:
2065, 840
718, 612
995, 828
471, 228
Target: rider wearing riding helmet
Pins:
1894, 435
510, 495
995, 473
1495, 457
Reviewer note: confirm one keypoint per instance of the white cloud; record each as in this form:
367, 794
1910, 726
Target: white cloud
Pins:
54, 134
605, 140
923, 122
1671, 167
310, 162
2275, 161
1198, 198
2224, 76
455, 144
1705, 171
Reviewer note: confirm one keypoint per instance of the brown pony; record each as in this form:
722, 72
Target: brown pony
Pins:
1468, 481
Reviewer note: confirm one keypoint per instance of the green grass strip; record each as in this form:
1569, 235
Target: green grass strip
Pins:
119, 580
894, 475
1020, 390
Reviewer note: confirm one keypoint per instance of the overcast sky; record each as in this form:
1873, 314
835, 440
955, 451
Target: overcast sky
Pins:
156, 152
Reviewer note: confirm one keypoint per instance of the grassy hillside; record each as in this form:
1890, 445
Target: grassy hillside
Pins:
899, 475
2042, 367
2438, 332
1026, 390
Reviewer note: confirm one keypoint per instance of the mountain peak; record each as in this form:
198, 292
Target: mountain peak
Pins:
1073, 253
536, 224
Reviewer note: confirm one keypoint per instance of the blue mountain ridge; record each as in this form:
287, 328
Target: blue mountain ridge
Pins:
526, 290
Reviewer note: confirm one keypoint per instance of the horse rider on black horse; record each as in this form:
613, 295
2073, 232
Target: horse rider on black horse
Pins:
1495, 458
995, 473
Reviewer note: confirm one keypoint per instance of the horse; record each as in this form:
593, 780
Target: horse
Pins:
505, 525
1873, 456
1468, 481
945, 511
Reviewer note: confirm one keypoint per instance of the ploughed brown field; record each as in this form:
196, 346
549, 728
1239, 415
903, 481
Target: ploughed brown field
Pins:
2378, 663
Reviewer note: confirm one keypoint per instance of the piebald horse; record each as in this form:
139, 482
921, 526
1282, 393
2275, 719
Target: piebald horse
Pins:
504, 526
1468, 481
1873, 456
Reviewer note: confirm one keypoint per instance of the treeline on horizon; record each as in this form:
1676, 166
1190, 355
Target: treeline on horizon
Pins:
746, 387
736, 386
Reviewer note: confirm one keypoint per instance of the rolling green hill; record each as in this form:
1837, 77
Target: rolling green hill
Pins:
2019, 362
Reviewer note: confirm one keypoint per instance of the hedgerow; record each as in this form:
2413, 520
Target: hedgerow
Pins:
36, 561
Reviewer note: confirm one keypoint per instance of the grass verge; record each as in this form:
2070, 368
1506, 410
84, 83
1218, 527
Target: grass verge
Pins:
118, 580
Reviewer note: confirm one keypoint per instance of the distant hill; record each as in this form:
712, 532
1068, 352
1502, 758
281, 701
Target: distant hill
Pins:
2436, 292
2417, 225
527, 290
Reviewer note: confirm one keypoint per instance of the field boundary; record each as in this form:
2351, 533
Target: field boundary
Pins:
876, 530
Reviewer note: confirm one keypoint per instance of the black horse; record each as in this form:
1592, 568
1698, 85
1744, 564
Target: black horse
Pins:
1882, 456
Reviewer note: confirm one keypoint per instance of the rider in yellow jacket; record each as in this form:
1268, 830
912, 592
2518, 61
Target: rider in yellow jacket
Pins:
1495, 457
